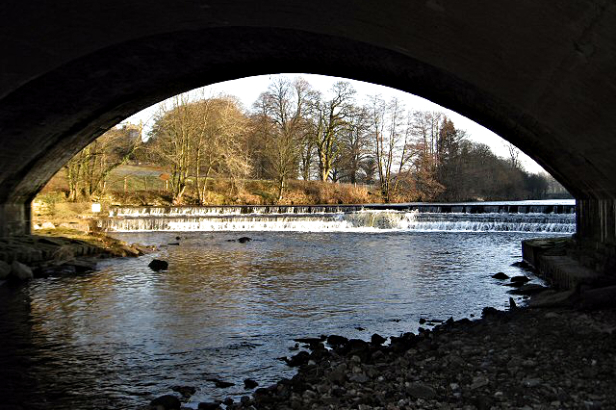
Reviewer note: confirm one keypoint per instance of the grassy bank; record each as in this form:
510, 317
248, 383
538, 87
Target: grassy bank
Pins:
142, 186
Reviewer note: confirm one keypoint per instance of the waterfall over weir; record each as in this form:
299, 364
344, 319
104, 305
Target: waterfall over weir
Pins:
517, 216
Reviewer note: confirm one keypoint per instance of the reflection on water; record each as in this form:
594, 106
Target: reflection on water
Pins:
118, 337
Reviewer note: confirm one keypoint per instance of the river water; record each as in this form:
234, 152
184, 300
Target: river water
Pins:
120, 336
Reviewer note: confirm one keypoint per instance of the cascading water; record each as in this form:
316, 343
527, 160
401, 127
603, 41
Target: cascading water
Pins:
519, 216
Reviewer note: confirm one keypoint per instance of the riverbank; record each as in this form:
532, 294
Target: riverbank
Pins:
58, 251
523, 359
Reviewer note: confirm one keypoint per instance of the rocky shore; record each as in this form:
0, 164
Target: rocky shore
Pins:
530, 358
58, 253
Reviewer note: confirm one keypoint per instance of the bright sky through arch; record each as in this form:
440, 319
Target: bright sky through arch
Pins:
247, 90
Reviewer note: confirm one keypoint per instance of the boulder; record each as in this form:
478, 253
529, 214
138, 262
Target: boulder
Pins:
166, 402
185, 391
5, 270
377, 339
158, 265
528, 289
20, 271
519, 279
299, 359
208, 406
221, 384
250, 384
500, 275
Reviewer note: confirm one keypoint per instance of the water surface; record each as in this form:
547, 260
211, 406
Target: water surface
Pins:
120, 336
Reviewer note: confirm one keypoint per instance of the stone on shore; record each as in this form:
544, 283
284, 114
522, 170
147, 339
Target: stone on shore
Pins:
20, 271
520, 279
166, 402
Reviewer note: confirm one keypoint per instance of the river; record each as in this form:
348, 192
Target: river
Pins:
120, 336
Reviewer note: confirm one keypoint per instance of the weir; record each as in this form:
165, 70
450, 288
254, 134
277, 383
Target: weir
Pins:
518, 216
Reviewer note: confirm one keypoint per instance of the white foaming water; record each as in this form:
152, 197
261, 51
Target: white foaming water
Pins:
330, 219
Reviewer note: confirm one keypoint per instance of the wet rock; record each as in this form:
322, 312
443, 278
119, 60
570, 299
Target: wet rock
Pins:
500, 275
5, 270
519, 279
299, 359
20, 271
528, 289
221, 384
167, 402
158, 265
512, 305
244, 239
208, 406
185, 391
421, 391
335, 340
377, 339
250, 384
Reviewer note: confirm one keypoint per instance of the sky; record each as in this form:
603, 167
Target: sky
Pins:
247, 90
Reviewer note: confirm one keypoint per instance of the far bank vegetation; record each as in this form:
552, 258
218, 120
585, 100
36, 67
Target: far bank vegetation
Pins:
295, 145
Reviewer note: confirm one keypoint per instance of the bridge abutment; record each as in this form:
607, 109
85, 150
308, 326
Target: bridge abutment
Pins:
15, 219
596, 234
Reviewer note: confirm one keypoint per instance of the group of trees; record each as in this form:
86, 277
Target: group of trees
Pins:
294, 131
87, 173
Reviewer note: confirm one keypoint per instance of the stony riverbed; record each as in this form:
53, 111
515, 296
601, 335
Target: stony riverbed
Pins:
523, 359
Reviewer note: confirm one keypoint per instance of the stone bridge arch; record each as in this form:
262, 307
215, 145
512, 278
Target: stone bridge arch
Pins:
540, 74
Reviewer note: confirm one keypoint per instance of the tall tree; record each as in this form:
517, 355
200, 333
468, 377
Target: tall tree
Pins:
285, 104
332, 121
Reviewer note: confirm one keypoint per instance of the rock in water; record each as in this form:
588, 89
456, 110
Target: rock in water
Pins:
208, 406
220, 383
185, 391
5, 270
512, 305
500, 275
157, 265
21, 271
244, 239
167, 402
250, 384
519, 279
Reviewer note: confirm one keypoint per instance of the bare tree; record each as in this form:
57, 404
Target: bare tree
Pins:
87, 172
514, 154
331, 122
285, 106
